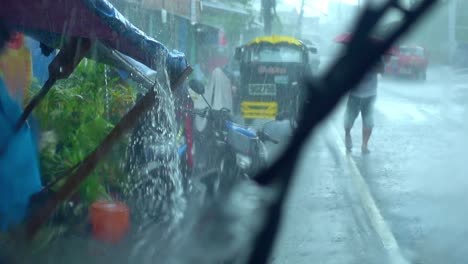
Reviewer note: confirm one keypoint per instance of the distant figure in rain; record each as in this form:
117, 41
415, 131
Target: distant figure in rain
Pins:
219, 94
362, 100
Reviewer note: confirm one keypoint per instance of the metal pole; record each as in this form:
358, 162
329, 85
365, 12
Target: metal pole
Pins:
266, 5
299, 21
452, 17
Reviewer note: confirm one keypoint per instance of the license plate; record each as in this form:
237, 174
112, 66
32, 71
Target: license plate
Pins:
254, 110
262, 89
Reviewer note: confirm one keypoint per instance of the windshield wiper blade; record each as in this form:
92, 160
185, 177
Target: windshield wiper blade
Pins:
360, 56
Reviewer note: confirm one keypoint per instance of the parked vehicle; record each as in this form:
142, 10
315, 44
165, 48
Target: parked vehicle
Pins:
407, 61
314, 57
271, 73
230, 152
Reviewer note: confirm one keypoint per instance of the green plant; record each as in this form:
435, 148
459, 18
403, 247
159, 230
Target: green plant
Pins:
74, 117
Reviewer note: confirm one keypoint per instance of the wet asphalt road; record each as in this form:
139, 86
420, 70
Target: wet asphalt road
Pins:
415, 177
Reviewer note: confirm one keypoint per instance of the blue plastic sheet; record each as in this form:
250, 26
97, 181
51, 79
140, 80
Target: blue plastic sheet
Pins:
19, 165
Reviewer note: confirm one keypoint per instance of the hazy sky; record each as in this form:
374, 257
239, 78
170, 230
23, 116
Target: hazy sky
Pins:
313, 7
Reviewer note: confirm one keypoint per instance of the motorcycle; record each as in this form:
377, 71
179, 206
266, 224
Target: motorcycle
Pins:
226, 152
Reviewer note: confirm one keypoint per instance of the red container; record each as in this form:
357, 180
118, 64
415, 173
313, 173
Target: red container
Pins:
110, 220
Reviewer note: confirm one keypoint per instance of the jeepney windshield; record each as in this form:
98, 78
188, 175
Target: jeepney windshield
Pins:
272, 53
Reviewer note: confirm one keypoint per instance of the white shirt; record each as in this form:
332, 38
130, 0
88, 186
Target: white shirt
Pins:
368, 87
218, 93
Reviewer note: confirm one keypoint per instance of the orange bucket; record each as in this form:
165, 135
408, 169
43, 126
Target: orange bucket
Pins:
110, 220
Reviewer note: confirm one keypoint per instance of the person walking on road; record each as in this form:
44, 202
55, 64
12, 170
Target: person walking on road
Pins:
362, 100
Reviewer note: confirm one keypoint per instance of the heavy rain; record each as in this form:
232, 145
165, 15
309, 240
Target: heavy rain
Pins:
233, 131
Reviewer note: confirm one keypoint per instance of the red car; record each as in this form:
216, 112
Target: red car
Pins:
407, 61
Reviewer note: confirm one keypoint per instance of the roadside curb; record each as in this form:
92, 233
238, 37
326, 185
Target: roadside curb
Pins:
380, 226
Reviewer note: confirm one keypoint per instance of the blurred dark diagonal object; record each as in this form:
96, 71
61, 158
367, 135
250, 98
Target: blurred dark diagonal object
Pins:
378, 35
347, 37
361, 55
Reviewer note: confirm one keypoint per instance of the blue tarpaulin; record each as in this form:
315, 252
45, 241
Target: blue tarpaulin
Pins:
19, 165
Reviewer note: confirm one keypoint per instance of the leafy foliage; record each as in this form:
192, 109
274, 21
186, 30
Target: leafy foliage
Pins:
75, 116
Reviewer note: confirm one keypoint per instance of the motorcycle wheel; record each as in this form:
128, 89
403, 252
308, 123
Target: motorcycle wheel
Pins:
228, 173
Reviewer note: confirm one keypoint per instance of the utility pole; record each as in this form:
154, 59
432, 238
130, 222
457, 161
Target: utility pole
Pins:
452, 24
267, 6
299, 21
340, 14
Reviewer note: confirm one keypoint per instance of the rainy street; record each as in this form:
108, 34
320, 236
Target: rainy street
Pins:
149, 131
399, 204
